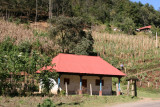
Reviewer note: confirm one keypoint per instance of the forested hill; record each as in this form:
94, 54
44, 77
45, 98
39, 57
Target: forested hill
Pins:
124, 14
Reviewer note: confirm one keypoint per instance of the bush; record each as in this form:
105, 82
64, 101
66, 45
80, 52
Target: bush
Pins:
62, 93
18, 21
46, 103
155, 29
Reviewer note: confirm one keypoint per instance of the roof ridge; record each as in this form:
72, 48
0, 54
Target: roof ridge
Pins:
77, 55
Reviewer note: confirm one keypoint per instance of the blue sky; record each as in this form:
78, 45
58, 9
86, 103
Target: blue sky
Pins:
154, 3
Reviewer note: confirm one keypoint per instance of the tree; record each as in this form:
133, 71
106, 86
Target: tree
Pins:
50, 9
46, 77
127, 26
68, 33
15, 59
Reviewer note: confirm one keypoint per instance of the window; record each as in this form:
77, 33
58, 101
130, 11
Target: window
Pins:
98, 82
66, 80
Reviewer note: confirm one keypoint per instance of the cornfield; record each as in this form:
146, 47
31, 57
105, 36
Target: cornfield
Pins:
21, 34
136, 53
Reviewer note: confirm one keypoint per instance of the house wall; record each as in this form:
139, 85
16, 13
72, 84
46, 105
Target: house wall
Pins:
74, 84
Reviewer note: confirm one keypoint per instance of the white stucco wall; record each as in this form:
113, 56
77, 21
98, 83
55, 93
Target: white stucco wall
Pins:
54, 88
74, 84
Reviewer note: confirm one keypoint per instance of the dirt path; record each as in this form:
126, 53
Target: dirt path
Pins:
146, 102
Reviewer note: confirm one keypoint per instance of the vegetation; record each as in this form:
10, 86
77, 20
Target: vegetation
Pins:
63, 101
47, 83
148, 93
68, 34
72, 29
136, 53
18, 67
46, 103
124, 14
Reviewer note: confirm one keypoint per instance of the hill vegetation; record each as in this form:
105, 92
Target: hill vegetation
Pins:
123, 14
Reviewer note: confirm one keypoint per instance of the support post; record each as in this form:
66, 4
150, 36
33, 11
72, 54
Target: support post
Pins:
119, 87
117, 90
80, 87
59, 84
100, 89
135, 89
90, 89
66, 89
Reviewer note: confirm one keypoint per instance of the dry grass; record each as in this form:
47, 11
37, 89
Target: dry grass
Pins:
22, 34
132, 51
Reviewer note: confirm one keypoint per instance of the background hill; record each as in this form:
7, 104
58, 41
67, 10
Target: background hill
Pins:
123, 14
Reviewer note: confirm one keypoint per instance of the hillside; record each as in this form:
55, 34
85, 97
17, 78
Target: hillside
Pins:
137, 53
22, 34
124, 14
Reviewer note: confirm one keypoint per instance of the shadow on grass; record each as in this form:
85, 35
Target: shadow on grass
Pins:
72, 103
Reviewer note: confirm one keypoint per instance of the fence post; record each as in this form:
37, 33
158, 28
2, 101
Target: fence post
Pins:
125, 70
128, 87
156, 85
140, 83
148, 84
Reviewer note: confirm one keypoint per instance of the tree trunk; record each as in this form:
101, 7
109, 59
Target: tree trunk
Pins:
50, 9
36, 13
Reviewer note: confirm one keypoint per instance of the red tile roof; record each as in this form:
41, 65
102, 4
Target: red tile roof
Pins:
146, 27
69, 63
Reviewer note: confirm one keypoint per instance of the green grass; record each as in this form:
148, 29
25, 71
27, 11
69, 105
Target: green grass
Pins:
80, 101
148, 93
63, 101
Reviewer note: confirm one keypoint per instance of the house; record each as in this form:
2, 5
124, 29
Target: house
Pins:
80, 72
146, 28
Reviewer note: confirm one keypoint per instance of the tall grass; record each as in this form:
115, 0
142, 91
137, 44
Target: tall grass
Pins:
135, 52
21, 34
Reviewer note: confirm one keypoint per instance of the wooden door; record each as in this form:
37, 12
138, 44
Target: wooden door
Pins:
84, 86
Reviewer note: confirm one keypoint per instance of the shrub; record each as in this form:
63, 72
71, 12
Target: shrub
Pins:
17, 21
62, 92
46, 103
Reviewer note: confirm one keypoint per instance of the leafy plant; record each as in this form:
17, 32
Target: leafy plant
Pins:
46, 103
46, 77
17, 21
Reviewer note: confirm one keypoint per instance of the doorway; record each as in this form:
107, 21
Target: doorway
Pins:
84, 86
